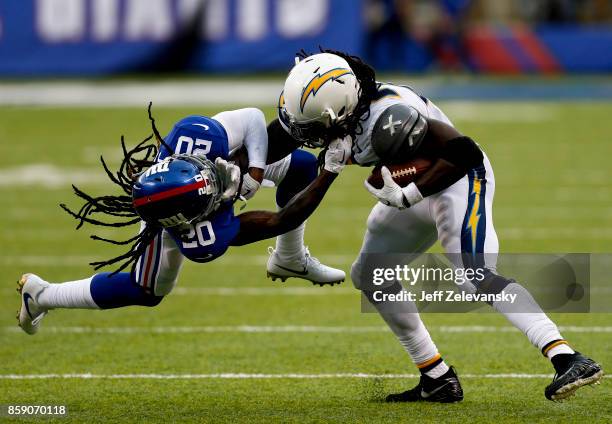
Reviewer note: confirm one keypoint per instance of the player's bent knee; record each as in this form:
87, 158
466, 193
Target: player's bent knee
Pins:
301, 159
302, 171
303, 168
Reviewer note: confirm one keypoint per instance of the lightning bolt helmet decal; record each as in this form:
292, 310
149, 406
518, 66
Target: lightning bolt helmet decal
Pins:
319, 81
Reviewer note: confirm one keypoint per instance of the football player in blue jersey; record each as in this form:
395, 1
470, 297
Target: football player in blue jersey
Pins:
182, 190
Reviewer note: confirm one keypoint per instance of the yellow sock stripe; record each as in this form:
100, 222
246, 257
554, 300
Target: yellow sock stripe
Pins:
557, 343
431, 361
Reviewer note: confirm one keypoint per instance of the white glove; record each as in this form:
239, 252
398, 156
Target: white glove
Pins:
338, 153
391, 194
229, 175
249, 186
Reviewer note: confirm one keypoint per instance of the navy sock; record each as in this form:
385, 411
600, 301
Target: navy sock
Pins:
302, 171
116, 291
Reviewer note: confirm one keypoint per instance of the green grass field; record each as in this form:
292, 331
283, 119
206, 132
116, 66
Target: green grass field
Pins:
553, 194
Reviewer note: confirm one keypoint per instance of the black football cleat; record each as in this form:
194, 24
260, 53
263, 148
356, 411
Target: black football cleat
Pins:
572, 374
444, 389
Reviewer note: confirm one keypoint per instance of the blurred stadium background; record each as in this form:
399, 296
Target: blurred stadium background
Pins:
528, 79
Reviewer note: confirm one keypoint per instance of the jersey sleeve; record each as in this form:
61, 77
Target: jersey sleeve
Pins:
247, 127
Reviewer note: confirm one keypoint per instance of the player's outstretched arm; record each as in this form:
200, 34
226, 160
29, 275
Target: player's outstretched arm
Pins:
260, 225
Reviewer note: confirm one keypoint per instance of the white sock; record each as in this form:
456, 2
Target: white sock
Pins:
418, 344
290, 246
526, 315
438, 371
421, 348
72, 294
407, 326
562, 347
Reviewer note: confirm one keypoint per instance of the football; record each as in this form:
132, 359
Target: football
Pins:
402, 173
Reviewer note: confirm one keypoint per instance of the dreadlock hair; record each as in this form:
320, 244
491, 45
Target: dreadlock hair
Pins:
365, 74
120, 207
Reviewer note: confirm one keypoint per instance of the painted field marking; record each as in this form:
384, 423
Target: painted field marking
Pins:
245, 376
289, 329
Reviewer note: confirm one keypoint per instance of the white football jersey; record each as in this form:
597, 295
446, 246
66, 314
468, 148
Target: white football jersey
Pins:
389, 95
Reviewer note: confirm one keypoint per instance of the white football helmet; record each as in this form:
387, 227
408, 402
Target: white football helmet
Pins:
321, 91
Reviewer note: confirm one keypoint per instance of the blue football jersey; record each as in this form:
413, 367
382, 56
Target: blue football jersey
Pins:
208, 239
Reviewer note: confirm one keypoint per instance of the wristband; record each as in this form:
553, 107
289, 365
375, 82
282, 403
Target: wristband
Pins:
412, 195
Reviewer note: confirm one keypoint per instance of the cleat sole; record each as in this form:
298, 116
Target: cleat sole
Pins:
569, 390
275, 277
21, 282
20, 285
331, 283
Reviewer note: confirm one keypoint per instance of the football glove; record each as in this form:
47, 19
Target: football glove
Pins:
229, 175
392, 194
249, 186
337, 154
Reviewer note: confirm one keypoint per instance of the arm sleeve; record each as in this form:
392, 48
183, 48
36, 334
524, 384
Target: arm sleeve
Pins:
462, 152
247, 127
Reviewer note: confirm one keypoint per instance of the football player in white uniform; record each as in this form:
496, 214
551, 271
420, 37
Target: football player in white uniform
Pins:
331, 95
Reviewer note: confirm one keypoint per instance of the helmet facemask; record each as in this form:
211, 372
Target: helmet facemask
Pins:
214, 186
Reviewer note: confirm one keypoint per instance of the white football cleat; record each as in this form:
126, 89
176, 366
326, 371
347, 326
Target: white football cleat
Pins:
306, 268
30, 287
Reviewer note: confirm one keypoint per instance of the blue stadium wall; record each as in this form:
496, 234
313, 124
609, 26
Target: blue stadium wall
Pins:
103, 37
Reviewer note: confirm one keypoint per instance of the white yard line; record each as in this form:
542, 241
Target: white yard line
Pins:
290, 329
134, 94
50, 176
245, 376
264, 291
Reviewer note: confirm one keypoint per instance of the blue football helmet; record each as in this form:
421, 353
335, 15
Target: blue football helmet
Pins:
179, 190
